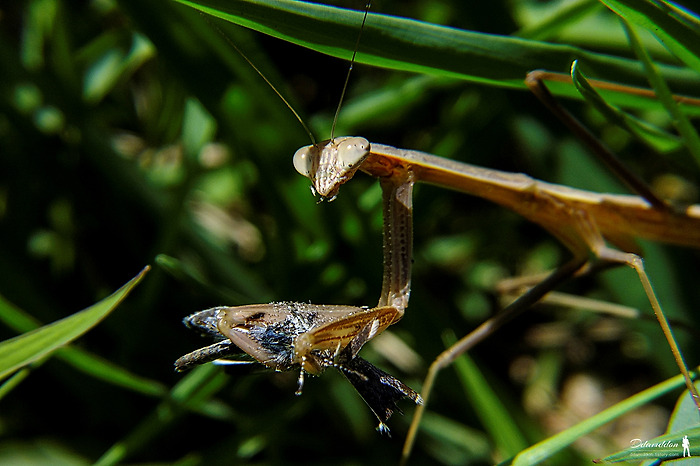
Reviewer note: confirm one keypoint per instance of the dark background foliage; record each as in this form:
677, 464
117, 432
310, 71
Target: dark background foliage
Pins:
101, 173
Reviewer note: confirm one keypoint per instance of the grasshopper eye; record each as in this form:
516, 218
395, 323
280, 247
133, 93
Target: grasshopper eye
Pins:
303, 160
352, 151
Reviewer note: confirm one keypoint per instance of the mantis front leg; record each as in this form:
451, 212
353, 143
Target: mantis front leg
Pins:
397, 200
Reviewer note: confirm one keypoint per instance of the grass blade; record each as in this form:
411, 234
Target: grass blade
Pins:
195, 388
548, 447
25, 349
410, 45
665, 447
680, 121
650, 135
678, 29
491, 411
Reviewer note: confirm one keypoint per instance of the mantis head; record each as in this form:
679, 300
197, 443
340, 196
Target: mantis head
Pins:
331, 163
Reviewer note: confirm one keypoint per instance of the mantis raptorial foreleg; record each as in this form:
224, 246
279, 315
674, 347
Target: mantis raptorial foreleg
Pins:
398, 239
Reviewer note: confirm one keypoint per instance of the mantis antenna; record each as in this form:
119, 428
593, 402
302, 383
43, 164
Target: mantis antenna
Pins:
260, 73
347, 76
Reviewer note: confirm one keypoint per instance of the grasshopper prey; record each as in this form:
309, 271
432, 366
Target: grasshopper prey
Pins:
289, 336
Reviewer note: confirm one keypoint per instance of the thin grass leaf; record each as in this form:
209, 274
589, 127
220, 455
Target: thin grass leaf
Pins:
678, 29
109, 372
550, 446
493, 414
24, 349
20, 321
657, 81
15, 318
454, 443
194, 389
684, 415
410, 45
654, 137
12, 382
566, 14
665, 447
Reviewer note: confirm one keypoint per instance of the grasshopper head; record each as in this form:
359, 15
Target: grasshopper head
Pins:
331, 163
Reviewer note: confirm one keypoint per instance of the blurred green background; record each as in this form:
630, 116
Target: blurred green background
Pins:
132, 133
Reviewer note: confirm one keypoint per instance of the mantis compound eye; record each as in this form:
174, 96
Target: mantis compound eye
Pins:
303, 160
352, 151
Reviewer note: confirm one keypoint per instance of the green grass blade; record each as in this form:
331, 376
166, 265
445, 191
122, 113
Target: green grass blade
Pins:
650, 135
661, 87
16, 318
25, 349
566, 14
12, 382
20, 321
684, 415
493, 414
665, 447
110, 372
194, 389
548, 447
410, 45
454, 443
679, 30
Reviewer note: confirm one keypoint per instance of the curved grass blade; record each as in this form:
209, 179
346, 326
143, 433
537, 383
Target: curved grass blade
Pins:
566, 14
31, 346
662, 90
654, 137
550, 446
410, 45
678, 30
191, 392
684, 415
488, 405
665, 447
21, 322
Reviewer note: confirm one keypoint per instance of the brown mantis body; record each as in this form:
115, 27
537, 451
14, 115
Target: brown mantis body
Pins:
596, 228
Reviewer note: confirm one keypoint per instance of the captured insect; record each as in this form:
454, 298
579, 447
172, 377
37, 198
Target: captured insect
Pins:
306, 337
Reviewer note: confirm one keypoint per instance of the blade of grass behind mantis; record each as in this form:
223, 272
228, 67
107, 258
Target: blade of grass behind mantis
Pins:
552, 445
486, 402
36, 344
665, 447
194, 389
657, 81
20, 321
566, 13
677, 29
652, 136
683, 418
410, 45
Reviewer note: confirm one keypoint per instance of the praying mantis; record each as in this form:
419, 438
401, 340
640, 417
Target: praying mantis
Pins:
581, 220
